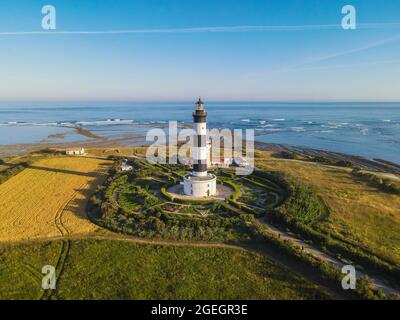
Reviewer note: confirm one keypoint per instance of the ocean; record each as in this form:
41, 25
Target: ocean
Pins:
371, 130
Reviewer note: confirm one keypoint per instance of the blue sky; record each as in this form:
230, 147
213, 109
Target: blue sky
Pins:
180, 63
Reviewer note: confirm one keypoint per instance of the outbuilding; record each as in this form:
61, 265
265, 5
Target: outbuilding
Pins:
75, 152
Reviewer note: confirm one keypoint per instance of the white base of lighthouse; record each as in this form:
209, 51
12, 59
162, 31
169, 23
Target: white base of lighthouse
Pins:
200, 187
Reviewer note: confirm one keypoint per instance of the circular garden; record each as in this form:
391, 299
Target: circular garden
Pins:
139, 203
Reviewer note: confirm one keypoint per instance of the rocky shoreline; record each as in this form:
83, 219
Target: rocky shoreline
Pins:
377, 165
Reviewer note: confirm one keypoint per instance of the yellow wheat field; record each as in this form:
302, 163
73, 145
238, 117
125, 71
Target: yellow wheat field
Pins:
49, 198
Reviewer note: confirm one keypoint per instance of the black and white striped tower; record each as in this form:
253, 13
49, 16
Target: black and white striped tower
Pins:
200, 183
200, 140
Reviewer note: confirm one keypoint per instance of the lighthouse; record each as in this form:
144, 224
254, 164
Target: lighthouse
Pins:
200, 140
200, 183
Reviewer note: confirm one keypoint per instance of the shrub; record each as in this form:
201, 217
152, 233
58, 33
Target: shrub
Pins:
235, 187
287, 155
166, 194
12, 171
377, 182
303, 206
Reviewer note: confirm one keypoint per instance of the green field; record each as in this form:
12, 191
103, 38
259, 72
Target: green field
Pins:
107, 269
363, 222
167, 249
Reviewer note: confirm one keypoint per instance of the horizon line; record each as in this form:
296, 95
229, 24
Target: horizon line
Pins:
192, 101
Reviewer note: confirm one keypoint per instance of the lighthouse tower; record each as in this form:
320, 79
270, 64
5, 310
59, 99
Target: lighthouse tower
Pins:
200, 183
200, 140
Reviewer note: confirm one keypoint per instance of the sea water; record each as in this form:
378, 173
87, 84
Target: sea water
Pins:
371, 130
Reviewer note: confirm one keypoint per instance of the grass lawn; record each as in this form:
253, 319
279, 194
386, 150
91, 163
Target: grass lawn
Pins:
106, 269
359, 213
20, 269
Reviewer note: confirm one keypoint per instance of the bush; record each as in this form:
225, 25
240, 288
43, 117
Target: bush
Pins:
166, 194
12, 171
303, 206
287, 155
300, 213
233, 225
275, 180
377, 182
364, 288
235, 187
104, 210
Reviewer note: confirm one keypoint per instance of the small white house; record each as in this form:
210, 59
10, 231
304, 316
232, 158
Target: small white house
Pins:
125, 167
220, 162
75, 152
240, 162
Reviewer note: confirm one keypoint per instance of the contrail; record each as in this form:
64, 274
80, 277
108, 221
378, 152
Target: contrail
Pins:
224, 29
344, 66
302, 66
179, 30
354, 50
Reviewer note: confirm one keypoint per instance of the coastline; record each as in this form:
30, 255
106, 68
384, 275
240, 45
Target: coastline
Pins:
378, 165
369, 131
139, 139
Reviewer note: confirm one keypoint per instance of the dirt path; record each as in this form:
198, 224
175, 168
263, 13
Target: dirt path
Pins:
284, 262
66, 237
376, 282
